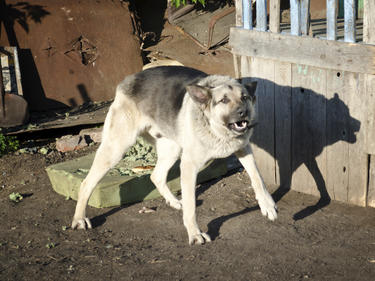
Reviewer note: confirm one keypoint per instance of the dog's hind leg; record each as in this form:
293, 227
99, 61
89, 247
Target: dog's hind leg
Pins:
119, 133
168, 153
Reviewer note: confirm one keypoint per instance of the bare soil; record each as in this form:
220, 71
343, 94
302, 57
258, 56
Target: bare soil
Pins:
36, 242
336, 242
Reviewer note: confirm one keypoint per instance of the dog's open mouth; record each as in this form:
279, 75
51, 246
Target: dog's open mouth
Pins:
239, 126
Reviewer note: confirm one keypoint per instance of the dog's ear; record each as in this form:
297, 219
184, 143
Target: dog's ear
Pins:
199, 94
251, 88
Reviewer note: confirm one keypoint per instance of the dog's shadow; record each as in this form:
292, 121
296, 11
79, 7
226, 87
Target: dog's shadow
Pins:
339, 125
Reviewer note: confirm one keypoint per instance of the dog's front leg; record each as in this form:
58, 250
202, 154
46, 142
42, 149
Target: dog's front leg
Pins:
266, 203
189, 171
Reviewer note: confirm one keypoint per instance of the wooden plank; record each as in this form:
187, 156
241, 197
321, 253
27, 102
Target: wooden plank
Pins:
369, 21
305, 17
239, 13
331, 19
308, 129
369, 38
261, 8
311, 51
283, 123
356, 137
263, 138
295, 17
337, 137
349, 16
371, 188
275, 16
247, 16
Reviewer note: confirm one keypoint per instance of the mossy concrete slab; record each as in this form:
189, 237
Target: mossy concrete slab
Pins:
118, 186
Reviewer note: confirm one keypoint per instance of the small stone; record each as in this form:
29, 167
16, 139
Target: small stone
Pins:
43, 151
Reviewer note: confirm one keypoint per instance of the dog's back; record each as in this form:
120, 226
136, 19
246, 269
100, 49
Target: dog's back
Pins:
159, 92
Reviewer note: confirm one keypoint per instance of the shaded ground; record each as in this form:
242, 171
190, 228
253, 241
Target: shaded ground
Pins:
336, 243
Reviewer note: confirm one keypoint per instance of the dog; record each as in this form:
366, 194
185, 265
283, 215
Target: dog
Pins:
190, 116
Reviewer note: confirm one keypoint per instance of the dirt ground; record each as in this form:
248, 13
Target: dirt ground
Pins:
36, 242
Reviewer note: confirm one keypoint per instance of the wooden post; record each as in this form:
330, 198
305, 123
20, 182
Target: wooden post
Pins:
275, 16
369, 38
261, 15
349, 10
305, 16
331, 19
247, 14
295, 17
239, 13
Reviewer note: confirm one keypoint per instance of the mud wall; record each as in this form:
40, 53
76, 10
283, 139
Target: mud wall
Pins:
71, 52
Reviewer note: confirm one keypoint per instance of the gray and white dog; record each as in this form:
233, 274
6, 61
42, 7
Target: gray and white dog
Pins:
190, 116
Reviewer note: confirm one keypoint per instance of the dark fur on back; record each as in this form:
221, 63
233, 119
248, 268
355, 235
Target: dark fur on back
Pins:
160, 91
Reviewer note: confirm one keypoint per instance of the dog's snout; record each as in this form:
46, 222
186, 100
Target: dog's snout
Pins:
242, 112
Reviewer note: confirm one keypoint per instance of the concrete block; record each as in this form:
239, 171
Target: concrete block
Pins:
120, 185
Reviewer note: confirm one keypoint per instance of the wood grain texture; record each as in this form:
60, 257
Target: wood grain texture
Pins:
331, 19
371, 188
263, 141
295, 17
274, 24
283, 123
261, 18
358, 158
369, 21
239, 13
311, 51
337, 136
349, 25
305, 17
247, 14
308, 129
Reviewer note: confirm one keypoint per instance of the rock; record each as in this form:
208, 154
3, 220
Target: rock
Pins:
70, 143
92, 134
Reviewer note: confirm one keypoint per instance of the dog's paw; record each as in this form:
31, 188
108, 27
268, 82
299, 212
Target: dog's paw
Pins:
199, 238
82, 223
175, 203
268, 207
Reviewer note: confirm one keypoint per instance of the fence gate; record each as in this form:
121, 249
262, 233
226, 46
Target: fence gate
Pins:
315, 96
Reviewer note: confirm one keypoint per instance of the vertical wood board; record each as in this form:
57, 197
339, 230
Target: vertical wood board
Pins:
239, 13
337, 137
247, 14
349, 17
295, 17
261, 18
263, 138
305, 16
331, 19
308, 129
283, 123
358, 166
275, 16
371, 189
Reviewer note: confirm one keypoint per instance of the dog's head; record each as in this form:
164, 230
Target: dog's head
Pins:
228, 105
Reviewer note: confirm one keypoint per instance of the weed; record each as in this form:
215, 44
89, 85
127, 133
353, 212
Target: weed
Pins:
177, 3
8, 144
50, 245
15, 197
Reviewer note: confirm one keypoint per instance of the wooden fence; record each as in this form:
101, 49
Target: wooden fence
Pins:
315, 97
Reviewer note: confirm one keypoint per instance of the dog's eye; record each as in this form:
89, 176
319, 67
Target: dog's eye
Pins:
224, 100
245, 97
